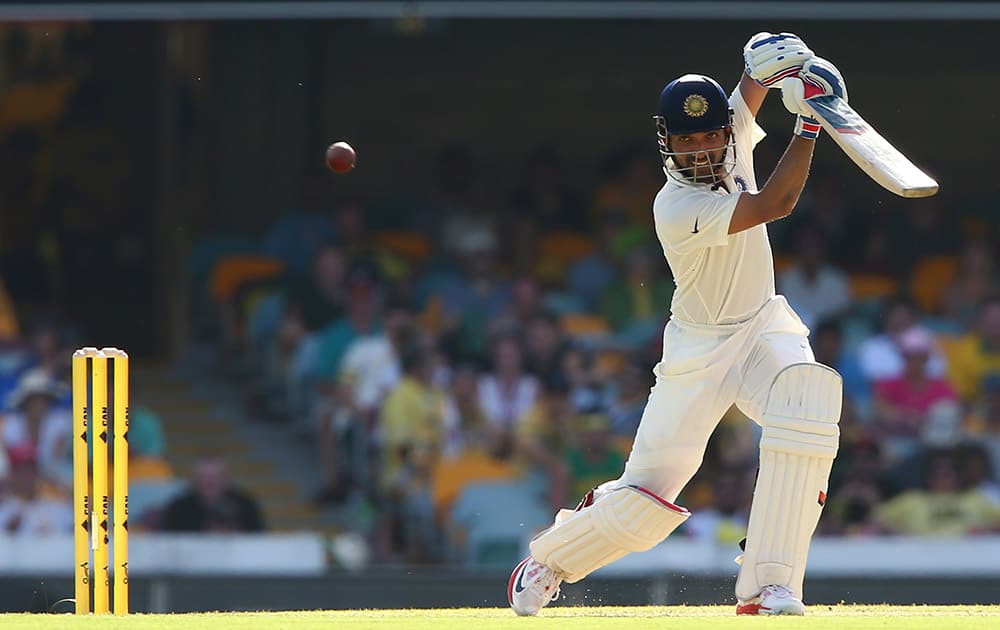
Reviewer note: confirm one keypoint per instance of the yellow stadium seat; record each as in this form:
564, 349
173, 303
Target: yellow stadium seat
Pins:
405, 244
609, 362
867, 286
566, 246
583, 324
931, 277
233, 272
450, 476
8, 317
140, 467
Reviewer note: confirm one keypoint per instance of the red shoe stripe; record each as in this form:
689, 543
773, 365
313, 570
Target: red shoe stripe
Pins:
513, 576
750, 609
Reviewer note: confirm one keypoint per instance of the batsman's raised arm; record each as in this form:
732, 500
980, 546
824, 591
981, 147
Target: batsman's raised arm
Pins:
781, 192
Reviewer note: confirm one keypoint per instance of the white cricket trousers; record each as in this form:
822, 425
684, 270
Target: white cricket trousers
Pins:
703, 372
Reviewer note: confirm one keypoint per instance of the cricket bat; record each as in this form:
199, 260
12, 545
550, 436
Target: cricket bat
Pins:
869, 150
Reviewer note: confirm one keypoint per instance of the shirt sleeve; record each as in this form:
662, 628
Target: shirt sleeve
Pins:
743, 120
689, 219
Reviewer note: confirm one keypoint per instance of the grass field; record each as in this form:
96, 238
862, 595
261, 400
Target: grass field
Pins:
573, 618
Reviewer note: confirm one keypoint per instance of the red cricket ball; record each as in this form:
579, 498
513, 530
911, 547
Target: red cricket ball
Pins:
340, 157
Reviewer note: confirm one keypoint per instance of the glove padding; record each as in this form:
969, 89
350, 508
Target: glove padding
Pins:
769, 58
818, 77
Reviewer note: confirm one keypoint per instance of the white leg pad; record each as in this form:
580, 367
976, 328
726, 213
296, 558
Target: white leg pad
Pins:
619, 522
797, 447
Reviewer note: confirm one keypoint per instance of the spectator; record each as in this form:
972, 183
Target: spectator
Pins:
297, 236
413, 429
212, 504
543, 191
632, 182
507, 392
363, 317
725, 521
976, 471
977, 354
545, 345
815, 288
525, 305
589, 276
637, 304
632, 385
830, 212
473, 430
283, 329
587, 390
983, 422
879, 355
40, 428
369, 370
905, 459
47, 349
319, 297
902, 403
855, 490
472, 449
929, 230
941, 507
24, 508
458, 206
592, 457
543, 436
828, 346
477, 296
974, 282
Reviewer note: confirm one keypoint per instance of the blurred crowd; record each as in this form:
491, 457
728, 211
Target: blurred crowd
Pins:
464, 364
36, 458
468, 365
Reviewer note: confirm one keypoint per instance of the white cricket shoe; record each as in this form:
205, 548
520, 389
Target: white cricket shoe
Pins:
531, 587
772, 600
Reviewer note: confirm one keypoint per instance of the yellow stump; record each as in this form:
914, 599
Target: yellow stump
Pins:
81, 484
120, 459
99, 526
93, 422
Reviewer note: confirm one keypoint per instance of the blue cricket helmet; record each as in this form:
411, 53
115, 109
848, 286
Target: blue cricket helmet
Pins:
693, 103
690, 104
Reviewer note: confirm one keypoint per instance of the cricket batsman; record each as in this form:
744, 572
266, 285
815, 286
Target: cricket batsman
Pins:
730, 339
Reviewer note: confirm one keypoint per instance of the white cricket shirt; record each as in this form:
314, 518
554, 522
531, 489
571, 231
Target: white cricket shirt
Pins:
721, 278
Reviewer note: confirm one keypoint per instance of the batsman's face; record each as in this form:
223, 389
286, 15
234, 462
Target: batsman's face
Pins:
699, 154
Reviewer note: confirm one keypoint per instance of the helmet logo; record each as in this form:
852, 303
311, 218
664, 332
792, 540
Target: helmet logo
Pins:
695, 105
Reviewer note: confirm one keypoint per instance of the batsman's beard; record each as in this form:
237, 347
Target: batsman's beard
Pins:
703, 169
681, 166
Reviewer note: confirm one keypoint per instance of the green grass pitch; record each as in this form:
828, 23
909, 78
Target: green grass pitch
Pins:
574, 618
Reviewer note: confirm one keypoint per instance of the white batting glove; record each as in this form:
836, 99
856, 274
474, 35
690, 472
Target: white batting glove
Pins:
822, 74
818, 77
769, 58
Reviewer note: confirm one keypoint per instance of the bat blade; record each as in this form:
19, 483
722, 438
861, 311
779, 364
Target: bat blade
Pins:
869, 150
